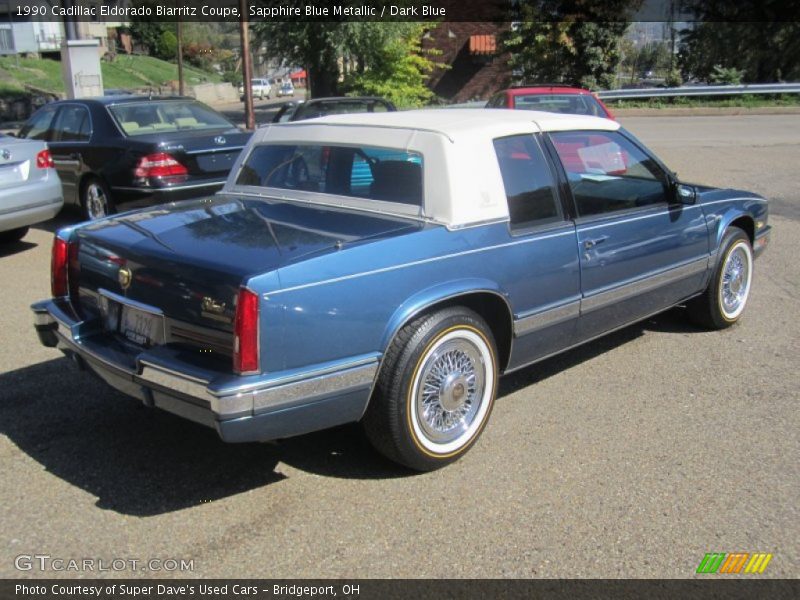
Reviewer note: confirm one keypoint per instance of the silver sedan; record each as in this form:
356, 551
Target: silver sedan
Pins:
30, 190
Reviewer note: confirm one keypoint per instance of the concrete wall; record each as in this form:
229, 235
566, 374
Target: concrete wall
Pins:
214, 93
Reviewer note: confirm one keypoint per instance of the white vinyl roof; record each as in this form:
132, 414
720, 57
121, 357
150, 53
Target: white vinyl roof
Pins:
461, 177
456, 122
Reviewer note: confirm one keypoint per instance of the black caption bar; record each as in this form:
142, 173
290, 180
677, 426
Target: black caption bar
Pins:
369, 589
399, 10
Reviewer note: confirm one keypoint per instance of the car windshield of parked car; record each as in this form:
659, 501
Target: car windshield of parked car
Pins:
142, 118
574, 104
391, 175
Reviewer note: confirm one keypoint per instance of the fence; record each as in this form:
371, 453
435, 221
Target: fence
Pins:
701, 90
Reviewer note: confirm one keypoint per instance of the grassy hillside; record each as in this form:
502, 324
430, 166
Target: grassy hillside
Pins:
124, 72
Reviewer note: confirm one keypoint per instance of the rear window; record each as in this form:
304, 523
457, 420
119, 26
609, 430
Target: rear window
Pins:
573, 104
142, 118
391, 175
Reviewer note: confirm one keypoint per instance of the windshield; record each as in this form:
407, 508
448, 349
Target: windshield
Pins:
574, 104
142, 118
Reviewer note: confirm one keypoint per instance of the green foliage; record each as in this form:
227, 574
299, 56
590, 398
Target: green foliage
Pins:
572, 41
314, 46
726, 75
396, 68
167, 47
128, 72
357, 57
673, 78
751, 36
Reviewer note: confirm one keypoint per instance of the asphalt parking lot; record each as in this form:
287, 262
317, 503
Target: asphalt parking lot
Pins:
632, 456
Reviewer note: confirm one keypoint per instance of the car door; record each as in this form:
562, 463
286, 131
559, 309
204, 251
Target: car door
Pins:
640, 250
69, 141
543, 274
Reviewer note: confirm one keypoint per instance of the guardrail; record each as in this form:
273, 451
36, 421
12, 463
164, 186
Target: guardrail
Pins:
701, 90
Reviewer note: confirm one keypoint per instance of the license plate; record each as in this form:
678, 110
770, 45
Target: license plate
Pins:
141, 327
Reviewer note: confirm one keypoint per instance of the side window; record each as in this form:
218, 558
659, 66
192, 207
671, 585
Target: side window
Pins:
38, 127
72, 125
608, 173
528, 181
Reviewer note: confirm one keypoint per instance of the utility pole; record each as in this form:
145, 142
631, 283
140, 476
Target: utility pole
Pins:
180, 58
247, 66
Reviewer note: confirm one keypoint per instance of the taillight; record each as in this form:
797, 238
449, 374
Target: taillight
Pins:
64, 268
161, 165
44, 160
245, 332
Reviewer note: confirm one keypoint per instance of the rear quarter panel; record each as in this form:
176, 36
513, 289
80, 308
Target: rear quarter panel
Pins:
349, 303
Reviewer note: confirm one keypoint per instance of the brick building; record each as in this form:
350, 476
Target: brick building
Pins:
477, 68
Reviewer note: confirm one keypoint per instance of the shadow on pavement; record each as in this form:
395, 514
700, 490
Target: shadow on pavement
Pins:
672, 321
136, 461
144, 462
16, 247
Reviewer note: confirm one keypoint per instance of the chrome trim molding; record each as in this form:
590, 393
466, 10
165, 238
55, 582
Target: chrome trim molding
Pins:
303, 391
297, 377
176, 188
546, 318
628, 290
128, 302
216, 150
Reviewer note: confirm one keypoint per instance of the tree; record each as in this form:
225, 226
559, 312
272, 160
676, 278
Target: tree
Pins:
355, 56
751, 36
570, 41
394, 67
314, 46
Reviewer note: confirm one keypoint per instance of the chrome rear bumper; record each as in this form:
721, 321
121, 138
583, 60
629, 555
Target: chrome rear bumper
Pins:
241, 409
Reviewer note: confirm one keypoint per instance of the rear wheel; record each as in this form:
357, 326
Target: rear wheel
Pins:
723, 303
435, 391
13, 235
96, 202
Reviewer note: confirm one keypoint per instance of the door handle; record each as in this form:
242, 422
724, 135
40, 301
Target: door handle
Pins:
592, 242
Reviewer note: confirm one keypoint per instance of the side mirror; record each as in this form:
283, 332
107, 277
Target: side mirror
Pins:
685, 194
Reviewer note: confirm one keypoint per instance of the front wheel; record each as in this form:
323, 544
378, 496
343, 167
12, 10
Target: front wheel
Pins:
435, 391
723, 303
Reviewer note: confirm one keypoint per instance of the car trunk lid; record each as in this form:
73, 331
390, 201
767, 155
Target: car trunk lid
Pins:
189, 259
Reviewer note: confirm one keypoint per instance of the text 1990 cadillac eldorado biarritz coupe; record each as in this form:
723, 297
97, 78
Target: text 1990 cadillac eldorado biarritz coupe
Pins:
388, 268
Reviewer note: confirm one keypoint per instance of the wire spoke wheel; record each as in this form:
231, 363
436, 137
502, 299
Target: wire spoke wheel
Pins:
450, 390
735, 284
435, 390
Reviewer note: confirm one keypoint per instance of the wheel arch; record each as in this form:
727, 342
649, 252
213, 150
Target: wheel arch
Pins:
481, 296
740, 219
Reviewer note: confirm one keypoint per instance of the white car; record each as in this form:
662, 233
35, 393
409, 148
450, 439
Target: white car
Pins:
30, 190
261, 88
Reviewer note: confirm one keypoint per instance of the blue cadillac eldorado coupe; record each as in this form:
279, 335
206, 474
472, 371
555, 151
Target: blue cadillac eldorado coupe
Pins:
388, 268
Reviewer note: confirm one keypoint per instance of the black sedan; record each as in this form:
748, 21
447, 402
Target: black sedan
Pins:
135, 150
322, 107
